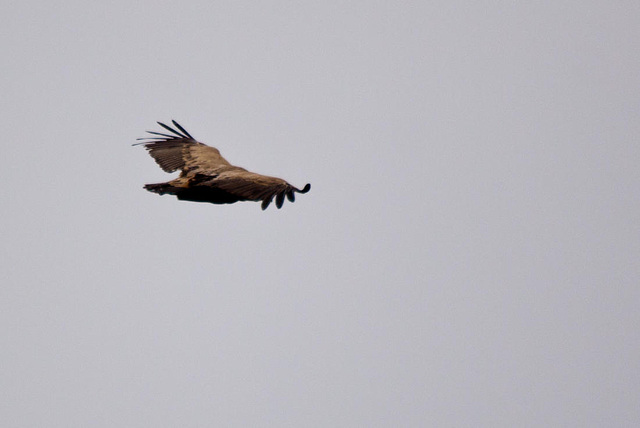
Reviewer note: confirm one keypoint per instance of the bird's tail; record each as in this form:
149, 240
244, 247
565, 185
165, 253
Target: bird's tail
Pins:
161, 188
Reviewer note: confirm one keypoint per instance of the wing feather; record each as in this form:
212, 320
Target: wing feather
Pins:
157, 133
173, 131
184, 131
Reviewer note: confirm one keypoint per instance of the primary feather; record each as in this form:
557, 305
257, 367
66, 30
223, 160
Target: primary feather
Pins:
205, 176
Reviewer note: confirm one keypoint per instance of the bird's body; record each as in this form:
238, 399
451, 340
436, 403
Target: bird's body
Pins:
205, 176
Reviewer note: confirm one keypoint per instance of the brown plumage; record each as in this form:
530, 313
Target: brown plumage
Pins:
205, 176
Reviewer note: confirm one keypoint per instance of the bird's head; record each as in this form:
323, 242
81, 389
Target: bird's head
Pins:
306, 188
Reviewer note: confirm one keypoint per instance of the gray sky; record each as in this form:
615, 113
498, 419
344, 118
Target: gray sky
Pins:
468, 254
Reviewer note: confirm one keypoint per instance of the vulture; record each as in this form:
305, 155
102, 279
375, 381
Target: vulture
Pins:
205, 176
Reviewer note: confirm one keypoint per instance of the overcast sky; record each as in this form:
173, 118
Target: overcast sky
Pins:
468, 255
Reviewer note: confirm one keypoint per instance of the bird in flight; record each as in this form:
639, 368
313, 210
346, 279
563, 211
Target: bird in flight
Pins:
205, 176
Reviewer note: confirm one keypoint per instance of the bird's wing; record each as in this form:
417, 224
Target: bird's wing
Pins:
180, 151
256, 187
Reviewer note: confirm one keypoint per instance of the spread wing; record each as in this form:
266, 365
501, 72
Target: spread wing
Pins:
180, 151
250, 186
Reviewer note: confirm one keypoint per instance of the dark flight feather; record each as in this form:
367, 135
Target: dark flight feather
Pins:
156, 133
170, 129
181, 129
